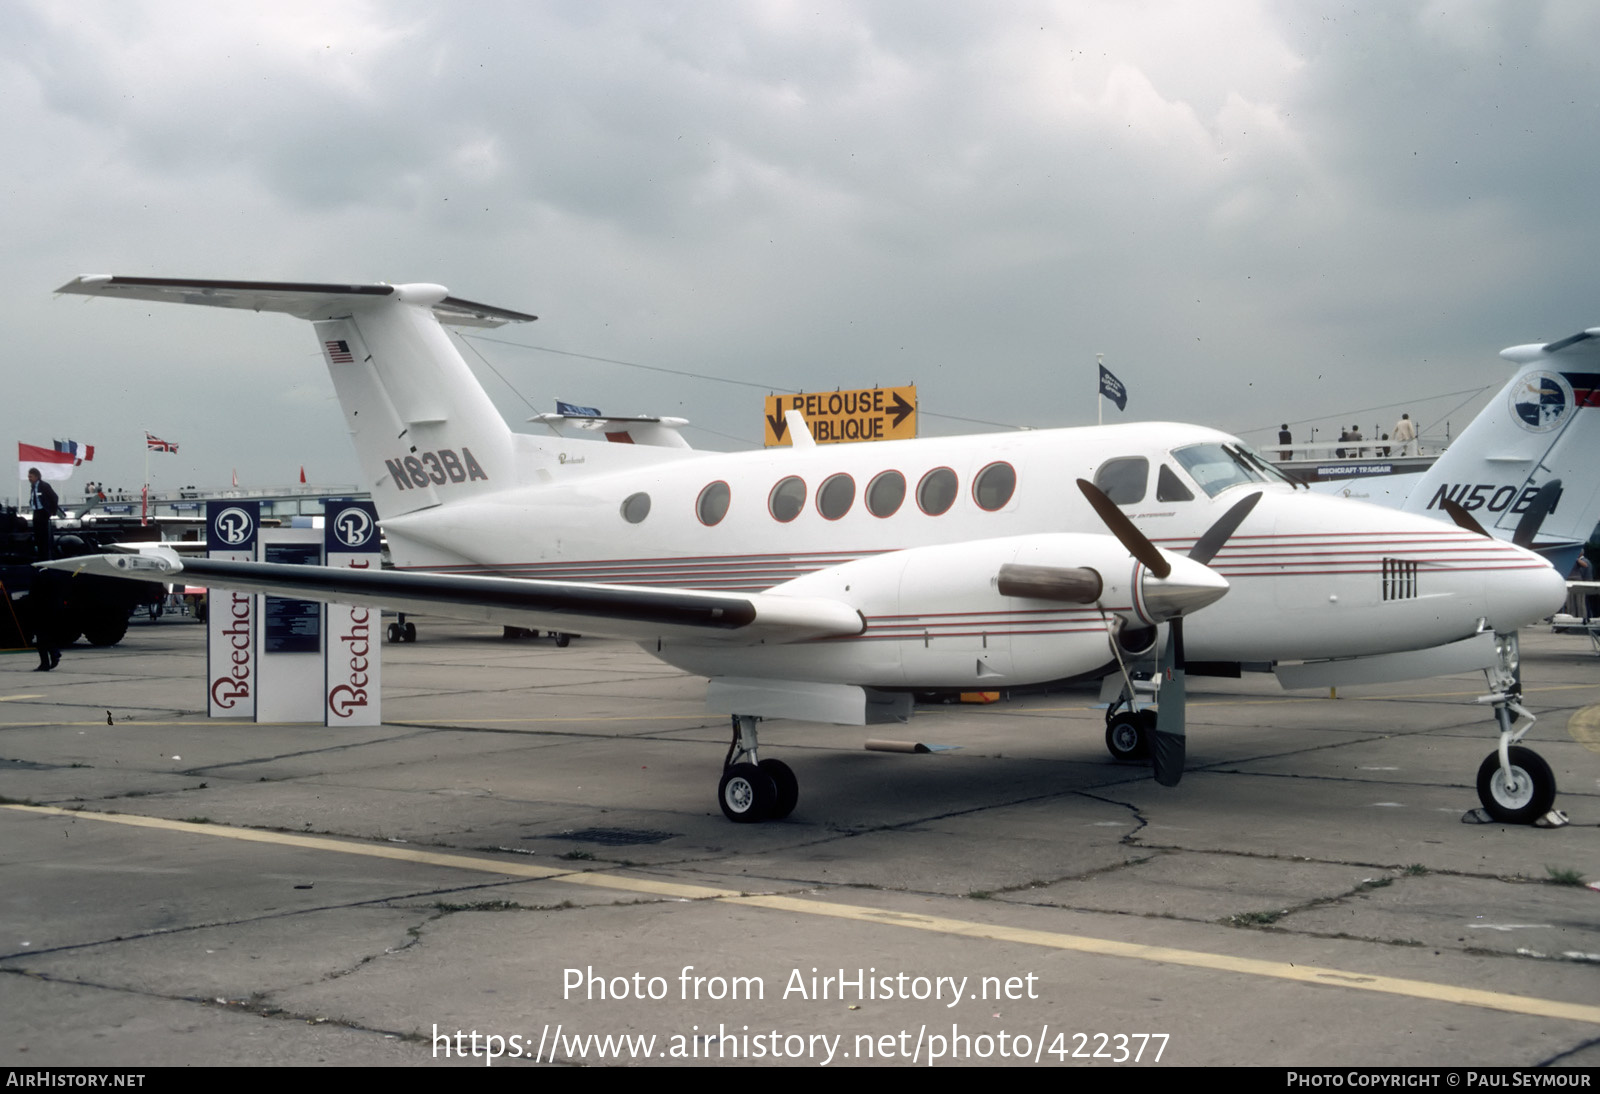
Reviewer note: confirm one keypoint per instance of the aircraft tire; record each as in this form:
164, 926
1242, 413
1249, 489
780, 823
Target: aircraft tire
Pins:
394, 632
563, 640
410, 632
746, 794
1128, 736
787, 786
1530, 799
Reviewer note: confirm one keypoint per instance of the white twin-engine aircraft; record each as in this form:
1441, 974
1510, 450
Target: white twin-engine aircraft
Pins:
827, 583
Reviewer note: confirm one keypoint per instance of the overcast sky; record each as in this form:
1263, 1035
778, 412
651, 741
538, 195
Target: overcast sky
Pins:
1257, 212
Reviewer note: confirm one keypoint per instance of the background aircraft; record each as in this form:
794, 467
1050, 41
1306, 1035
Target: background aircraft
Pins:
1530, 460
826, 583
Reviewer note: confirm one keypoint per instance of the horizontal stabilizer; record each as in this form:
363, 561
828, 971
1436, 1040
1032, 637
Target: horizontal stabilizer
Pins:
616, 611
307, 300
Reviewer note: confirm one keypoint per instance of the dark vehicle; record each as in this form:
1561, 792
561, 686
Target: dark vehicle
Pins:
97, 608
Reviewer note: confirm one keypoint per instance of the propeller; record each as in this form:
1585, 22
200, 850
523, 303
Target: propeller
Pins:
1541, 506
1463, 518
1168, 742
1120, 526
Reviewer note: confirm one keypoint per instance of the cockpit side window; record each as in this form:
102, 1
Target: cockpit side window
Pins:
1170, 488
1123, 480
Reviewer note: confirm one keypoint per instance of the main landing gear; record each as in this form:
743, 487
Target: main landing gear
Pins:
753, 789
1128, 733
1515, 785
401, 631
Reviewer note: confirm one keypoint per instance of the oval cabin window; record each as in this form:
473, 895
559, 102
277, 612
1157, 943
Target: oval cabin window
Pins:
836, 496
936, 493
886, 493
713, 503
787, 499
994, 486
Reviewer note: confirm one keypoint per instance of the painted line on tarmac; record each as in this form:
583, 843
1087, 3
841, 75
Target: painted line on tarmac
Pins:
1584, 726
1277, 970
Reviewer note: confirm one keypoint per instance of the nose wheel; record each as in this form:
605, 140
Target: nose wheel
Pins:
1520, 792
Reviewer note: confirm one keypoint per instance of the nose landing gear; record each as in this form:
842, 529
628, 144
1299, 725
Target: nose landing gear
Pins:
1515, 784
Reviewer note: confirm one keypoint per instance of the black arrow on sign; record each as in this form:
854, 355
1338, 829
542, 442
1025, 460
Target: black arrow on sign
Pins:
778, 424
901, 409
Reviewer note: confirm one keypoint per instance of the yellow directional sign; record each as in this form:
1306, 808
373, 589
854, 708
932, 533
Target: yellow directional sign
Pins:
868, 414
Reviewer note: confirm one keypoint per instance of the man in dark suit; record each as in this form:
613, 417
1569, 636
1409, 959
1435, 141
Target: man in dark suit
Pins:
42, 500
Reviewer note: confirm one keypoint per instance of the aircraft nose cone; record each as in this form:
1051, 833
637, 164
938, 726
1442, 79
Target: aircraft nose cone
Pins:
1189, 587
1519, 597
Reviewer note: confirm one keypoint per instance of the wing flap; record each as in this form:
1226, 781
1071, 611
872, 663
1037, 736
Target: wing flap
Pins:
617, 611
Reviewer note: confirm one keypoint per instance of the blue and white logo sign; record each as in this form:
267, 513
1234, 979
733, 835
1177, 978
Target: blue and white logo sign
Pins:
353, 527
235, 526
1541, 401
350, 527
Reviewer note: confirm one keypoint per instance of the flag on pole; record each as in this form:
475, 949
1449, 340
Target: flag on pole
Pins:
53, 466
302, 474
79, 452
1112, 388
152, 443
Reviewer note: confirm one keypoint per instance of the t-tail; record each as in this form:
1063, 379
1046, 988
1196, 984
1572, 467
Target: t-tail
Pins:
1542, 428
424, 430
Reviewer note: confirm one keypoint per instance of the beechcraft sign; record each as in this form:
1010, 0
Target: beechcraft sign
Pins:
868, 414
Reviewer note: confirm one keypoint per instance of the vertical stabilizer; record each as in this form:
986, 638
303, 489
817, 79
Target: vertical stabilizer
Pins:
424, 429
1543, 425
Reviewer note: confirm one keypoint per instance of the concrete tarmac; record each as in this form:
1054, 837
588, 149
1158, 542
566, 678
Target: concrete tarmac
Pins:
529, 853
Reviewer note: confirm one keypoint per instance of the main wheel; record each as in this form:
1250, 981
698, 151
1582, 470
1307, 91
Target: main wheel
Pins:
394, 632
1128, 735
787, 787
1523, 798
563, 640
410, 631
746, 794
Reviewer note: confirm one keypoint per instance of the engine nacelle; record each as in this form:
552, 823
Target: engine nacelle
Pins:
988, 613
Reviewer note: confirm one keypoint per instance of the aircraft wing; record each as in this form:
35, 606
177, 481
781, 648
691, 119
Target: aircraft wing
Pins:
616, 611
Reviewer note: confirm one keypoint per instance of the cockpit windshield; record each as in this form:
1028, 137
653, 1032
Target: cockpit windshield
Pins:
1216, 467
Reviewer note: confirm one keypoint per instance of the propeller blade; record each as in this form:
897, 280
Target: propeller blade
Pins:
1121, 527
1544, 501
1206, 547
1463, 518
1168, 738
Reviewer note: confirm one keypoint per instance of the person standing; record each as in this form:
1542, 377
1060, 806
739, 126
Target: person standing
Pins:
44, 503
41, 613
1405, 433
1285, 439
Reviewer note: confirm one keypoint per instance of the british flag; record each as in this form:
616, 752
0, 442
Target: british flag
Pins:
156, 444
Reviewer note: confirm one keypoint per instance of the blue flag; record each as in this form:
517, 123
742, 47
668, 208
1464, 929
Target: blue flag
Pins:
1112, 388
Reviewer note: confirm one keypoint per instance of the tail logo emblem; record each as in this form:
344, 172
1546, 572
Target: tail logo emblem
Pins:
1542, 401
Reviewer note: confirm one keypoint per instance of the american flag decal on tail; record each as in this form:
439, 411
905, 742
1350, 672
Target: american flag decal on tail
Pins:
339, 352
